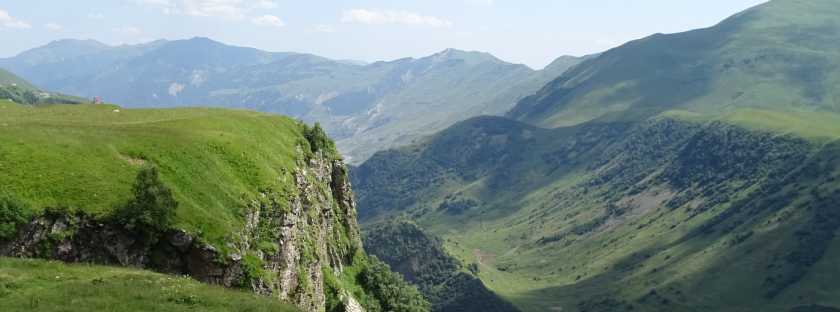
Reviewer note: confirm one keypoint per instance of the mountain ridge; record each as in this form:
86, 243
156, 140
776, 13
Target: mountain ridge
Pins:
365, 107
745, 60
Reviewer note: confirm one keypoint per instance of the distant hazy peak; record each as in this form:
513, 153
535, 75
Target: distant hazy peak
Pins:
76, 43
468, 56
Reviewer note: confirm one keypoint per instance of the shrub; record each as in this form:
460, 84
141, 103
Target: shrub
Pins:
13, 213
318, 139
391, 290
152, 209
474, 269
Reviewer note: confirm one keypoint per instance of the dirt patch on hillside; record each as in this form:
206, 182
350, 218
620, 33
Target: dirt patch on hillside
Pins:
647, 201
133, 161
484, 258
636, 206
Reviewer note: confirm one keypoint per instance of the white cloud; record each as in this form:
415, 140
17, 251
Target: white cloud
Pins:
269, 21
382, 17
225, 9
324, 28
175, 88
54, 27
7, 21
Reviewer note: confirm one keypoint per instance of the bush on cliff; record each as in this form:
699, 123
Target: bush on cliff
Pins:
13, 213
390, 289
153, 207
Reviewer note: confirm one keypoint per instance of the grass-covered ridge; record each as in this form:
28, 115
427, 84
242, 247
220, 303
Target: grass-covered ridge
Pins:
86, 158
36, 285
781, 56
809, 125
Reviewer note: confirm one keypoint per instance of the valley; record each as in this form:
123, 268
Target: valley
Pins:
689, 171
705, 184
661, 208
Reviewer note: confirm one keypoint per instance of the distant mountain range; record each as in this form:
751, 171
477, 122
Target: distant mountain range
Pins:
365, 107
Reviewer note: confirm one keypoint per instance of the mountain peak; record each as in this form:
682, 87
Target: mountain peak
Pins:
76, 42
198, 42
473, 57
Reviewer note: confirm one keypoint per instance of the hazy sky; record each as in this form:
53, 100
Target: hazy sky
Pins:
532, 32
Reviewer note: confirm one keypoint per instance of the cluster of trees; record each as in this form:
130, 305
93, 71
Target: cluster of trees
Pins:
32, 97
18, 95
391, 291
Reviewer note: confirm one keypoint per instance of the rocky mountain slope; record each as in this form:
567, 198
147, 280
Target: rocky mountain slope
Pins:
232, 198
365, 107
683, 172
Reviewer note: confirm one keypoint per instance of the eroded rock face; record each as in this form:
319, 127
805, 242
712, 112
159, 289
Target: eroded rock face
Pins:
312, 232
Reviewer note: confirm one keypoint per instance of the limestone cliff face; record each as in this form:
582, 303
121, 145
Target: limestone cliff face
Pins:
289, 241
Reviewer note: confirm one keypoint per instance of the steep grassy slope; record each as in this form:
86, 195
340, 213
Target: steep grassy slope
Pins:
86, 158
21, 91
35, 285
778, 56
235, 198
684, 212
365, 107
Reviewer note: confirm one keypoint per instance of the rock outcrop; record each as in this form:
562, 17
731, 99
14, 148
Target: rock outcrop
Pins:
290, 240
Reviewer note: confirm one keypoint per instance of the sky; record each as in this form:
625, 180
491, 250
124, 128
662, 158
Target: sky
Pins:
531, 32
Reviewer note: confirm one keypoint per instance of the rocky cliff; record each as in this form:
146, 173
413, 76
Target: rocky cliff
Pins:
288, 245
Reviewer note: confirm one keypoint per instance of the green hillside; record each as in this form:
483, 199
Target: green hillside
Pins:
782, 55
234, 198
8, 79
86, 158
15, 89
684, 172
683, 212
36, 285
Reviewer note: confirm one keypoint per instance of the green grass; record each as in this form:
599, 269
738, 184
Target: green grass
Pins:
779, 56
738, 124
86, 157
811, 125
524, 197
36, 285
